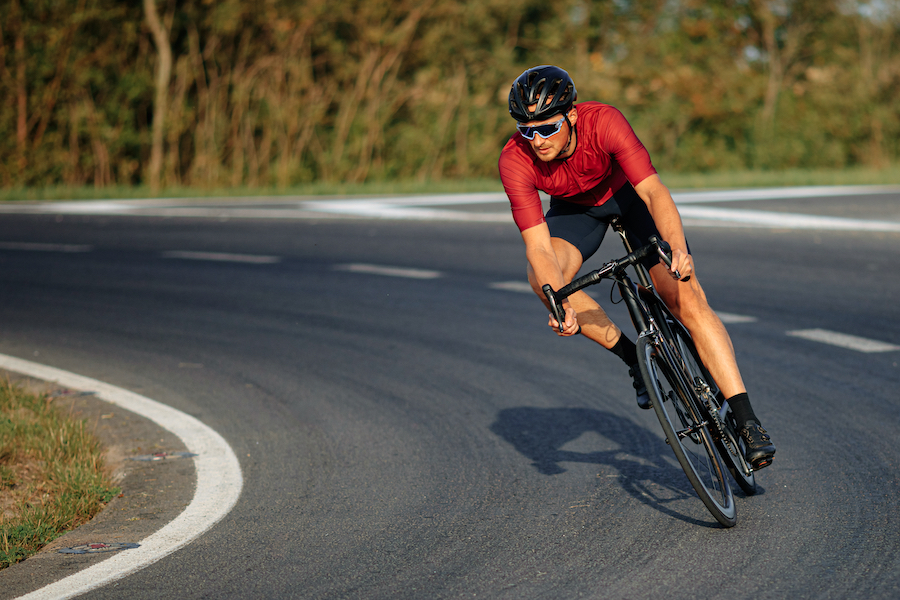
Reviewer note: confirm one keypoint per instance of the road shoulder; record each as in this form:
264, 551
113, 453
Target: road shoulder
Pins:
153, 492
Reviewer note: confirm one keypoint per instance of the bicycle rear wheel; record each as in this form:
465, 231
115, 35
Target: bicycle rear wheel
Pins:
729, 444
686, 431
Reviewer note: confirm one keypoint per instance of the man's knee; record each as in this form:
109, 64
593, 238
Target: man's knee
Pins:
686, 301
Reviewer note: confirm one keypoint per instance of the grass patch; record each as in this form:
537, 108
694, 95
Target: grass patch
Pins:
676, 181
52, 475
785, 178
681, 181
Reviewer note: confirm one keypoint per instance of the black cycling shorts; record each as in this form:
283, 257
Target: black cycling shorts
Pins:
585, 226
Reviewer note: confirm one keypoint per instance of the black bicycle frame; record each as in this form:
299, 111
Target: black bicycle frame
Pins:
646, 310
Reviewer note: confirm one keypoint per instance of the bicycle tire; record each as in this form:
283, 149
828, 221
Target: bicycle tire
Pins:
676, 408
729, 444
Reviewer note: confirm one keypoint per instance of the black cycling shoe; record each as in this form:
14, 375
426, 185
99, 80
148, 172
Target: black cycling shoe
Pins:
760, 448
643, 398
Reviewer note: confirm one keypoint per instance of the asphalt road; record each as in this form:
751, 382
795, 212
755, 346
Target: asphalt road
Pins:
422, 434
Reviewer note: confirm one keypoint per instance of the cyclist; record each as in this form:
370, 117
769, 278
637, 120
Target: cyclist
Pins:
590, 162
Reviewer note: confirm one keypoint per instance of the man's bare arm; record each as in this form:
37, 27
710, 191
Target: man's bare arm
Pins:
668, 221
546, 270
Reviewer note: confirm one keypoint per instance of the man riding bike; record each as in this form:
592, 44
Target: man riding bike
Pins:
593, 166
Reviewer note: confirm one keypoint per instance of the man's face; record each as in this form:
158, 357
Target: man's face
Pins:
547, 149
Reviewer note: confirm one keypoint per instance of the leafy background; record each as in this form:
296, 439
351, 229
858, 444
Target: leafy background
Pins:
275, 93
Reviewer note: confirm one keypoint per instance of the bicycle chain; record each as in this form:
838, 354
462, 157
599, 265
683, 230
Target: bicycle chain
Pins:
707, 395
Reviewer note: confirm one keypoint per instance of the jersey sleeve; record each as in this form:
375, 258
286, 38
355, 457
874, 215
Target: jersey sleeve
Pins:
521, 189
624, 146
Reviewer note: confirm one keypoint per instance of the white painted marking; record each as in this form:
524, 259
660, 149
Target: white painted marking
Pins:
778, 220
222, 257
525, 288
423, 208
398, 208
843, 340
219, 482
416, 207
434, 200
732, 318
513, 286
38, 247
389, 271
88, 207
810, 191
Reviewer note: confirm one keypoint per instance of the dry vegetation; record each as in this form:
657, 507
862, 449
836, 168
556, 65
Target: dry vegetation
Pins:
52, 476
278, 93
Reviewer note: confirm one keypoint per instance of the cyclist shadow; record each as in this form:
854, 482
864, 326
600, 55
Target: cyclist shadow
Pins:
645, 465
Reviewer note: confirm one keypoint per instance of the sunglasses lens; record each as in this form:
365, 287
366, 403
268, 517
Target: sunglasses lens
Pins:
544, 131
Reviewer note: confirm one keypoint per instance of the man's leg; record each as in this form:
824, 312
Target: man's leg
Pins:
595, 323
688, 303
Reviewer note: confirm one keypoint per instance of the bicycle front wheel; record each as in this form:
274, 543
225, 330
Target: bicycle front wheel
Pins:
686, 431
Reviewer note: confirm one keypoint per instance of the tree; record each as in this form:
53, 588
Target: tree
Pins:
163, 74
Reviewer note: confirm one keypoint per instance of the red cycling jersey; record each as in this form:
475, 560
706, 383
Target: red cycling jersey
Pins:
607, 155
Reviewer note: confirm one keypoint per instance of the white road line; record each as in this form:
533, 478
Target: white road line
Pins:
219, 482
414, 207
428, 208
397, 209
732, 318
87, 207
512, 286
785, 193
222, 257
523, 287
424, 200
778, 220
388, 271
843, 340
38, 247
817, 335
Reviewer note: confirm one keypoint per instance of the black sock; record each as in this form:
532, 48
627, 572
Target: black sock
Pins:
743, 412
626, 350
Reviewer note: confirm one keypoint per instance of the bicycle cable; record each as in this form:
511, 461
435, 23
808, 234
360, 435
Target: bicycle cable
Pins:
621, 297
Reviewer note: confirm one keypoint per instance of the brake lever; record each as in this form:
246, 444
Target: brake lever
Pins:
668, 260
556, 308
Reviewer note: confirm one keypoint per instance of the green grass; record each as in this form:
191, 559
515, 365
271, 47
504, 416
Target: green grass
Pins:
678, 181
786, 178
52, 476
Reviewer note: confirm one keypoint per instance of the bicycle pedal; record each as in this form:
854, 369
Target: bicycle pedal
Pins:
762, 464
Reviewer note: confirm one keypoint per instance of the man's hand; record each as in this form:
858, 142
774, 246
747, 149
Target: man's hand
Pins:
570, 327
682, 265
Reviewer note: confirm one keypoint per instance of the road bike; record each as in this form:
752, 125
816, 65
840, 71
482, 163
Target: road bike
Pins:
695, 418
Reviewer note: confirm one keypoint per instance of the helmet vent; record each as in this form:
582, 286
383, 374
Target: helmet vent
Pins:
540, 93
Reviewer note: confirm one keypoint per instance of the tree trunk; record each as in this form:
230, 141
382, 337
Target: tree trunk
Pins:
766, 121
21, 93
163, 74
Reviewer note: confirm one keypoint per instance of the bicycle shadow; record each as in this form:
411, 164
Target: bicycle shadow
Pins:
644, 463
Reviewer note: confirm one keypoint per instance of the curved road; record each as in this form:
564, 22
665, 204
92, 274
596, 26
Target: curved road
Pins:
407, 426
